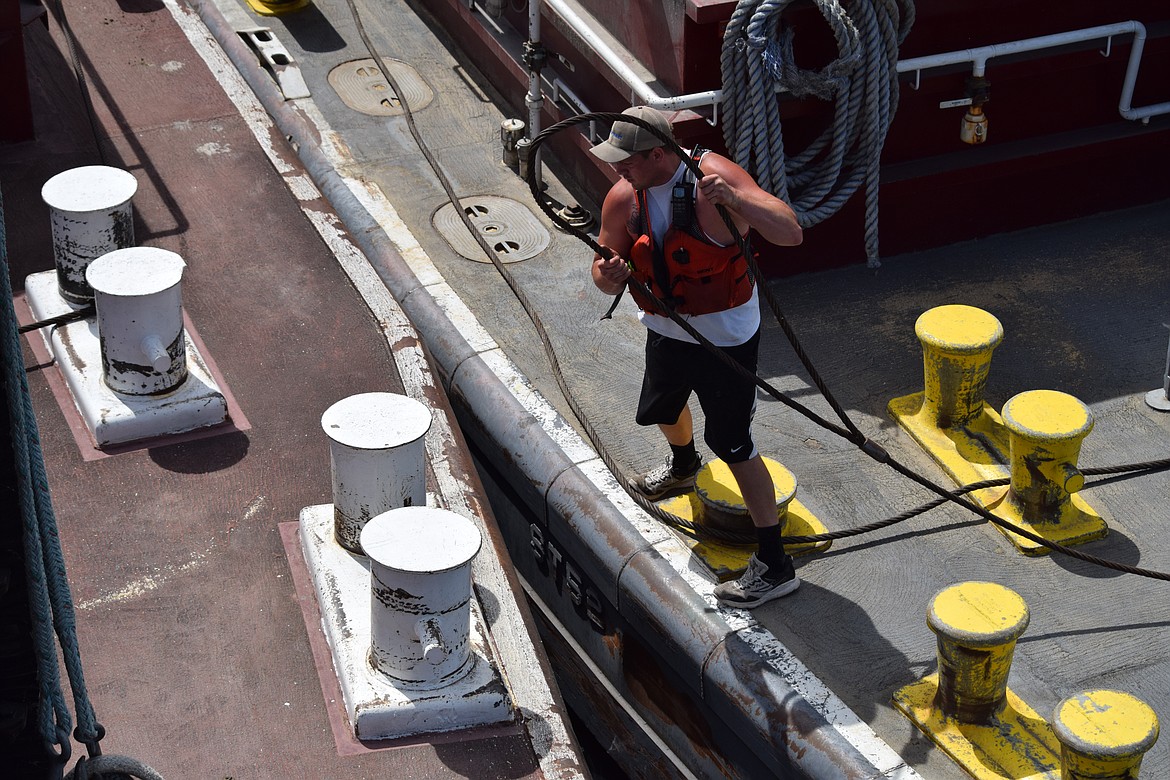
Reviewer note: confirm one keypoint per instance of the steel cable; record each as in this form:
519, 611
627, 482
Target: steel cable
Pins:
850, 431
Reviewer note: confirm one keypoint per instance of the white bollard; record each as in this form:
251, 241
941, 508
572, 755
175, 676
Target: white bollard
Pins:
139, 303
377, 457
420, 577
91, 215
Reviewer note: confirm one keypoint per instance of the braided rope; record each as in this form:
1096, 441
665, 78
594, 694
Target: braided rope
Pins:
757, 58
55, 720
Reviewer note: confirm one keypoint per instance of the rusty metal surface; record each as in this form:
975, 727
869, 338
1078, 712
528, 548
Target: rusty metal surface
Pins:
857, 621
196, 654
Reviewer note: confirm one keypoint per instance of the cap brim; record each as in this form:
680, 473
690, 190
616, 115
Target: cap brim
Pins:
607, 152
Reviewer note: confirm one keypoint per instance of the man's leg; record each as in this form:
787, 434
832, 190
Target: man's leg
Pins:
759, 494
770, 573
678, 471
682, 431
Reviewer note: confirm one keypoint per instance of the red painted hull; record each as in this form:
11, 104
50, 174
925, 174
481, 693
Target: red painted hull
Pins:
1057, 146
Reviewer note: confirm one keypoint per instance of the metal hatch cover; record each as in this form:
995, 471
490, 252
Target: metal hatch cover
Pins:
360, 85
509, 227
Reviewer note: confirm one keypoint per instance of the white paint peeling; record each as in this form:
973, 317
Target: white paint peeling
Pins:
393, 324
144, 584
170, 66
212, 148
302, 186
253, 507
851, 728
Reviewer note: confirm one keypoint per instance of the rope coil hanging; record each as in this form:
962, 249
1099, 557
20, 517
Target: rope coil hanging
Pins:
757, 60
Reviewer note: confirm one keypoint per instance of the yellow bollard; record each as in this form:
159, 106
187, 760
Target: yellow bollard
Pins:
966, 707
276, 7
949, 418
977, 624
957, 342
723, 504
1103, 735
1046, 430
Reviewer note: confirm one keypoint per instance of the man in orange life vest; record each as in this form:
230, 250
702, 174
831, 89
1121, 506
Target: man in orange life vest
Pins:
663, 227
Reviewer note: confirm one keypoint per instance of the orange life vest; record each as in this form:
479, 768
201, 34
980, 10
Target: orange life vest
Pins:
688, 272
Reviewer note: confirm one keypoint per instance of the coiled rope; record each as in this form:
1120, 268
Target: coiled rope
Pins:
757, 60
51, 603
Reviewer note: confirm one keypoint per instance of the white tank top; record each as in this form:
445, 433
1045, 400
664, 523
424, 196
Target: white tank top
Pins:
723, 328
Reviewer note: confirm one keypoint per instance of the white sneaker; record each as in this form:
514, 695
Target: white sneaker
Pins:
754, 587
662, 480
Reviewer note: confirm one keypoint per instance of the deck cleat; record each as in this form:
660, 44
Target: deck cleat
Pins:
1046, 430
718, 504
966, 708
376, 458
1103, 735
132, 368
949, 418
393, 581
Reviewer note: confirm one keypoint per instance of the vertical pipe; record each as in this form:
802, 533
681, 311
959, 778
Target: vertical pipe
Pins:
535, 97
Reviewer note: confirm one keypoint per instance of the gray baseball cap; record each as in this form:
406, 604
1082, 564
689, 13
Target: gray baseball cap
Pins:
625, 138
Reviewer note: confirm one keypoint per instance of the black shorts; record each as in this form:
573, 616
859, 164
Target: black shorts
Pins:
675, 369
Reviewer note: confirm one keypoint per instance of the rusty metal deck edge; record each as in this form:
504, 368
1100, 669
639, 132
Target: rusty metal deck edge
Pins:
554, 744
817, 744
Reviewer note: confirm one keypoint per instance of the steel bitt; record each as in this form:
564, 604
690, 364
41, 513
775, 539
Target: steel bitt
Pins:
957, 342
420, 575
977, 624
1103, 735
377, 459
91, 215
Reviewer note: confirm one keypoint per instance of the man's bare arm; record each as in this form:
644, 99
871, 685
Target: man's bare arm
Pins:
730, 186
610, 274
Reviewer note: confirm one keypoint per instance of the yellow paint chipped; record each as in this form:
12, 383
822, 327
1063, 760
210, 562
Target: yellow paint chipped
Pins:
276, 7
960, 329
1015, 744
1106, 723
717, 485
728, 561
979, 613
1048, 414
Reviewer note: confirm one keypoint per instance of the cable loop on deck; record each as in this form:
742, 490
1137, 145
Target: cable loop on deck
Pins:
850, 432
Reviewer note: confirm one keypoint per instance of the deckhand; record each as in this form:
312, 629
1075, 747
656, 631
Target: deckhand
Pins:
664, 228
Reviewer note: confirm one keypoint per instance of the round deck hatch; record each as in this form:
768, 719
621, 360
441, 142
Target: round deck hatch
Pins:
360, 86
509, 227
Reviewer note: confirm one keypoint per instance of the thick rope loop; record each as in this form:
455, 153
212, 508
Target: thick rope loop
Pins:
112, 767
757, 59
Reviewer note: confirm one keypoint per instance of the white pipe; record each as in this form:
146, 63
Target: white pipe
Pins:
643, 94
535, 96
979, 57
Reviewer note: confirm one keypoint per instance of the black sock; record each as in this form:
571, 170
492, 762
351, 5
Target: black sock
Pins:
685, 457
771, 553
